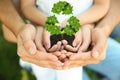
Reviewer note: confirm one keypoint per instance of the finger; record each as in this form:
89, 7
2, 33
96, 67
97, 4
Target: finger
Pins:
66, 64
68, 54
76, 64
53, 48
30, 46
39, 57
27, 36
55, 65
70, 48
64, 42
45, 56
86, 40
79, 63
22, 53
46, 39
81, 56
99, 46
46, 64
62, 47
28, 30
103, 54
20, 48
38, 39
63, 51
78, 39
57, 53
59, 43
62, 57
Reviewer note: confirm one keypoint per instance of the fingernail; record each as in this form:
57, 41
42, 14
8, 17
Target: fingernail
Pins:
32, 50
95, 54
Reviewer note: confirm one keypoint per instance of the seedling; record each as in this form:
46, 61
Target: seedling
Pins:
58, 33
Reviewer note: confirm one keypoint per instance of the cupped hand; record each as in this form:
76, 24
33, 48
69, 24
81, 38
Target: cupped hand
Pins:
94, 56
46, 60
82, 39
26, 37
47, 42
39, 38
27, 49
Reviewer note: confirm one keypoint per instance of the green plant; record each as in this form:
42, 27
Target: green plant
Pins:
63, 6
66, 9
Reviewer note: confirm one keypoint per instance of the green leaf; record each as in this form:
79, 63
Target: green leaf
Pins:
65, 8
68, 30
53, 29
52, 20
57, 8
62, 6
68, 9
74, 22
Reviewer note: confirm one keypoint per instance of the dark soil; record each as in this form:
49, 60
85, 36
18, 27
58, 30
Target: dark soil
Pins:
69, 38
55, 38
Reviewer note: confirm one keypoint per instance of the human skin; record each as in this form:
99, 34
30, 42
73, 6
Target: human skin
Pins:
37, 17
33, 14
88, 17
99, 39
81, 42
25, 36
12, 24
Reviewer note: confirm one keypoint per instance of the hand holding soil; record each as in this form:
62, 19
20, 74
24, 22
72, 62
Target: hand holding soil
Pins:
67, 40
56, 33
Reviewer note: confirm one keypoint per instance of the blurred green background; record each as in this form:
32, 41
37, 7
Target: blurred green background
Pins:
9, 63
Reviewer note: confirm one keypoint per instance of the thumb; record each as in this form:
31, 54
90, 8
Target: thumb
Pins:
46, 40
78, 39
30, 46
27, 36
98, 48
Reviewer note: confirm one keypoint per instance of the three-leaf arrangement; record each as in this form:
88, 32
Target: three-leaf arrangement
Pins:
65, 8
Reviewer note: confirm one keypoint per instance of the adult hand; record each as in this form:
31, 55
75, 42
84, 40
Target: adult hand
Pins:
97, 53
28, 52
38, 39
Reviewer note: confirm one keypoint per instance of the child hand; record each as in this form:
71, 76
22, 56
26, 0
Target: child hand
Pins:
82, 39
47, 42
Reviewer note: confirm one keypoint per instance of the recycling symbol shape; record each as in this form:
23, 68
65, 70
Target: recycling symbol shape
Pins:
65, 8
